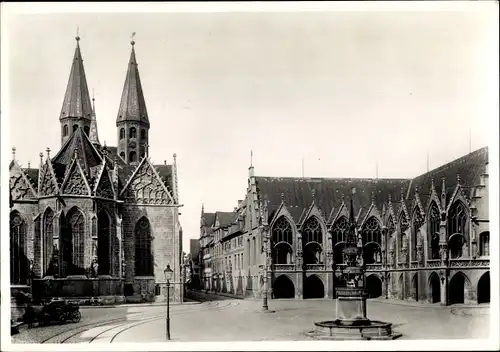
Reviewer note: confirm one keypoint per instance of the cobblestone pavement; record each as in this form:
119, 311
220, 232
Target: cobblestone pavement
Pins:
242, 320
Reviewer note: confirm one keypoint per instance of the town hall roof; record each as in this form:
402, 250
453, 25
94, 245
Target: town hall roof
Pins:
76, 101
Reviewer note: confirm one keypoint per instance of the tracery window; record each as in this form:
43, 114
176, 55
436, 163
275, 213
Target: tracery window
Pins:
18, 260
48, 235
457, 220
132, 132
282, 231
75, 262
312, 240
434, 223
143, 253
371, 237
103, 245
340, 229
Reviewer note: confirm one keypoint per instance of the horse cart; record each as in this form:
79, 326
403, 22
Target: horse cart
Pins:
59, 311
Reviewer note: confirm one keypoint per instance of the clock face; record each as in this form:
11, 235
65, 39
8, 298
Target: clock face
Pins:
132, 144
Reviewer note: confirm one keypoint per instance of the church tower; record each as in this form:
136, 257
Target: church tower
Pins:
76, 109
132, 121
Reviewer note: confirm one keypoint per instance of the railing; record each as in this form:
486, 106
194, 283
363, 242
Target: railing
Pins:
402, 265
315, 267
468, 262
284, 267
434, 263
375, 266
414, 264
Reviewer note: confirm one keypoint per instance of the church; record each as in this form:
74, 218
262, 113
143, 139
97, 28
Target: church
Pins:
424, 239
93, 220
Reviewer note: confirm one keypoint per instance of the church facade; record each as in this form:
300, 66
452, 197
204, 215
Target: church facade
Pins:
94, 220
424, 239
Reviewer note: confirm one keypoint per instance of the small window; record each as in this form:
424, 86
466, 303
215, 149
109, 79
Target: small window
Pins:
133, 156
65, 130
122, 133
143, 134
132, 132
75, 127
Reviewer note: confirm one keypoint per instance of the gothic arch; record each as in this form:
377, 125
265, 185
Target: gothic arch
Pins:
434, 221
313, 287
143, 248
417, 222
73, 243
312, 241
457, 224
374, 286
103, 242
283, 287
434, 288
18, 241
132, 132
283, 253
65, 130
483, 288
47, 239
339, 236
458, 289
371, 236
281, 232
402, 240
414, 287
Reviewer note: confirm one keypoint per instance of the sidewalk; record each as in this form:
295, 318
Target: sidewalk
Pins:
422, 304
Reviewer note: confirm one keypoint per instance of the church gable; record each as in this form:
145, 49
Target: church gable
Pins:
146, 187
20, 187
104, 187
75, 182
47, 185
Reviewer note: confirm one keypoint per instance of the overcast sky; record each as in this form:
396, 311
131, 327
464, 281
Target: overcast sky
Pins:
341, 89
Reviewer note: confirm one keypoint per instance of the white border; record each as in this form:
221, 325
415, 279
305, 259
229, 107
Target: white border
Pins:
47, 7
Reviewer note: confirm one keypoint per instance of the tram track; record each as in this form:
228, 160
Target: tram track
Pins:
67, 335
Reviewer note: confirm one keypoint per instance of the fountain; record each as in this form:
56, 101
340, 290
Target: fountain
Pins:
351, 322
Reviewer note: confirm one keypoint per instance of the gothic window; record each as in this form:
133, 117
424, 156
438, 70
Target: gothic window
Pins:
122, 133
143, 249
143, 133
403, 224
417, 223
86, 129
339, 233
75, 127
48, 235
282, 231
74, 248
456, 229
133, 156
18, 259
371, 237
132, 132
312, 238
65, 130
434, 222
484, 244
103, 245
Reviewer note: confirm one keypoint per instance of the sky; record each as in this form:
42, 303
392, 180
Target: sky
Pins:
344, 90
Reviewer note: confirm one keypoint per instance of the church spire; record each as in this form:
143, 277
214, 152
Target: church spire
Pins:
76, 101
132, 104
76, 109
94, 136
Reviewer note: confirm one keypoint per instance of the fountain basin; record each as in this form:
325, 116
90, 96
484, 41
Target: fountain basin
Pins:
353, 329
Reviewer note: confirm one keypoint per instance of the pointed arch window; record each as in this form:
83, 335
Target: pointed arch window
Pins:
434, 224
143, 248
65, 130
339, 233
417, 223
74, 244
103, 245
282, 241
371, 236
18, 259
133, 156
122, 133
312, 239
403, 225
132, 133
48, 238
457, 221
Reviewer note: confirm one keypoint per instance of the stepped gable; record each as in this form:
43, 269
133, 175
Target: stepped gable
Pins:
87, 154
297, 193
469, 167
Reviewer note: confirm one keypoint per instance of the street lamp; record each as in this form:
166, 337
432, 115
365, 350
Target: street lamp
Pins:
168, 276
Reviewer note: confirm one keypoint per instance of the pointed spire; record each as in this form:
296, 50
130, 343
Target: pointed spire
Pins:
132, 104
13, 153
94, 136
41, 158
48, 152
76, 101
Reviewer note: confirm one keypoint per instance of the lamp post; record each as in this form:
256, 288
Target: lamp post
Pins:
168, 276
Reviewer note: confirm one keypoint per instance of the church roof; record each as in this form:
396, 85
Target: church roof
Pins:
297, 193
87, 154
469, 167
132, 104
76, 101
